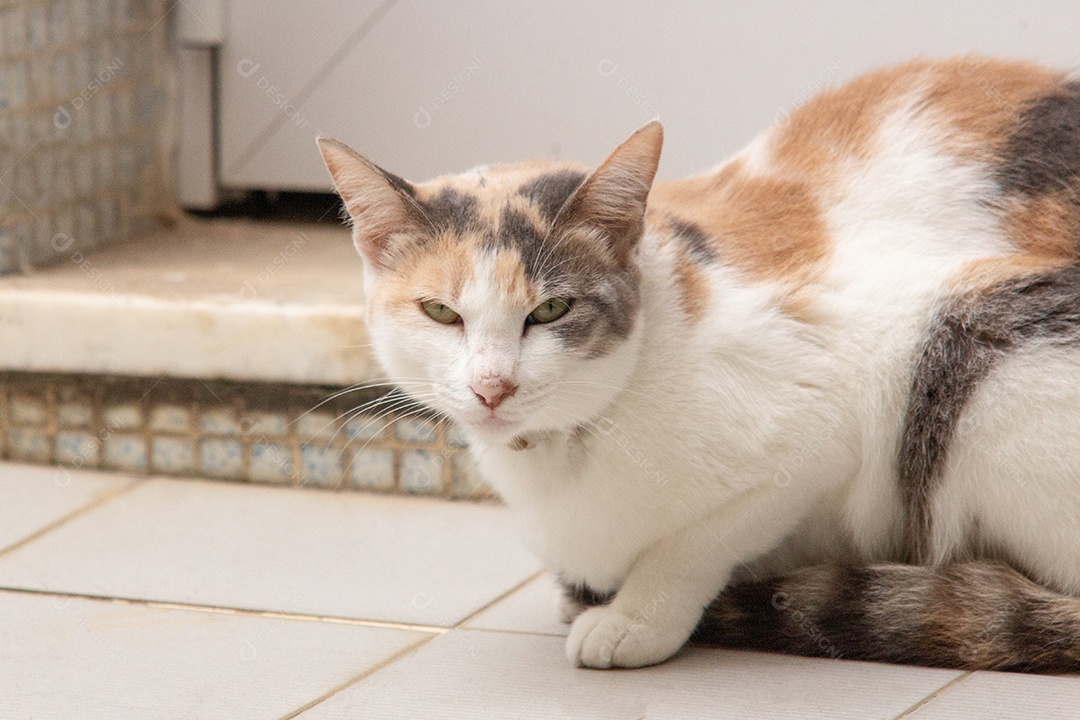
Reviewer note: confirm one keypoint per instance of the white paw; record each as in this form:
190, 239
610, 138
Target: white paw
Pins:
603, 637
566, 609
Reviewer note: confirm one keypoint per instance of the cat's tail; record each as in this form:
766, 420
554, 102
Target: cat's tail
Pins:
971, 615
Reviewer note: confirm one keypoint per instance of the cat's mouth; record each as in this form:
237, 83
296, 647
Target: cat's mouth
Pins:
495, 424
495, 429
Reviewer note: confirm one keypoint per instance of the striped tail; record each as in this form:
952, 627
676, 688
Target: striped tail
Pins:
971, 615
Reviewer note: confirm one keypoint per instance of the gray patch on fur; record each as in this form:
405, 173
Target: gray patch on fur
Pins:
979, 615
697, 242
583, 595
1043, 153
452, 210
967, 337
550, 191
518, 232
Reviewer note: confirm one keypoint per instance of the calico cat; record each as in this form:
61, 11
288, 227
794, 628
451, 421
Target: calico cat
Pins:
824, 399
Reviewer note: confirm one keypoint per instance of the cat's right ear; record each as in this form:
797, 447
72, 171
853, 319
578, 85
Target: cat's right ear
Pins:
381, 204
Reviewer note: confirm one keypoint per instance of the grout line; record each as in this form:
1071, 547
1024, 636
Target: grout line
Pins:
92, 505
461, 624
394, 658
523, 633
224, 610
362, 676
941, 690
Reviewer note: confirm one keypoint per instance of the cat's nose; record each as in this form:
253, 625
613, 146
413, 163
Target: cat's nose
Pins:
491, 391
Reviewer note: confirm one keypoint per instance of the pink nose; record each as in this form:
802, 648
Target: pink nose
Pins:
491, 391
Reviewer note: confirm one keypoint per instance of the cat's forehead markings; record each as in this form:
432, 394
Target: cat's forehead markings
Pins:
514, 288
451, 209
520, 234
549, 191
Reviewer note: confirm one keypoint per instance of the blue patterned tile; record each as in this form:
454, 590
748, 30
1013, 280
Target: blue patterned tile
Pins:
317, 425
266, 424
416, 430
421, 472
32, 445
27, 411
372, 469
128, 416
271, 462
74, 415
320, 465
172, 455
125, 452
365, 428
221, 458
77, 448
220, 421
170, 418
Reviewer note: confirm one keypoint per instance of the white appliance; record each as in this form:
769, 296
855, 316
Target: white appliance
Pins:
424, 88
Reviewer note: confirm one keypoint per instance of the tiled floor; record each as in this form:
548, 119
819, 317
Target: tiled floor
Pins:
125, 598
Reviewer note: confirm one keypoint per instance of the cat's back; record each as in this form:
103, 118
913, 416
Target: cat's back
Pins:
956, 171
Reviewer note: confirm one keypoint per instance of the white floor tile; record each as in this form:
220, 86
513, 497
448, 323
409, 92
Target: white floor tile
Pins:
67, 657
32, 496
478, 674
1005, 696
340, 554
530, 609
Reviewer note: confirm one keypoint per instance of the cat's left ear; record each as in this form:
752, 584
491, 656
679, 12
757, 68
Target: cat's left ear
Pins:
382, 205
612, 199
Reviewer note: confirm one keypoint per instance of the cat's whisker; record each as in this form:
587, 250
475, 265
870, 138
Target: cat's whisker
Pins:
393, 407
354, 412
391, 386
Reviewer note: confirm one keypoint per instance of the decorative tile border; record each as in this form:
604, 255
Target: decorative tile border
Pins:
255, 432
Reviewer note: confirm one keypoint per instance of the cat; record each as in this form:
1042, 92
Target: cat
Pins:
824, 399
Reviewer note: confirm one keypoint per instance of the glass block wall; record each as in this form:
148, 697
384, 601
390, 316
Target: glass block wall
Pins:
83, 111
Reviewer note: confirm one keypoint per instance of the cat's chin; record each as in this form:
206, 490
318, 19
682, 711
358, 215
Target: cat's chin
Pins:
494, 431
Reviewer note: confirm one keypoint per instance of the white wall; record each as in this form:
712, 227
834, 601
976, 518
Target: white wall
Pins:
424, 88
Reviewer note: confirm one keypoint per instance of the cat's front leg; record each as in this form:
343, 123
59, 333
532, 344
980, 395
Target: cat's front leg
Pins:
661, 600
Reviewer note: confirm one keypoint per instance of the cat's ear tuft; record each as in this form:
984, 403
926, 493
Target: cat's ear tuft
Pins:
612, 199
380, 204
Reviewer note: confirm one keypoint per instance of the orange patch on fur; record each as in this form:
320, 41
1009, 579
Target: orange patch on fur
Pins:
978, 101
1045, 226
986, 272
836, 124
693, 288
982, 99
799, 305
767, 227
439, 271
511, 281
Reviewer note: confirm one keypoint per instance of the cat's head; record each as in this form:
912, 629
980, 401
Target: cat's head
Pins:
506, 297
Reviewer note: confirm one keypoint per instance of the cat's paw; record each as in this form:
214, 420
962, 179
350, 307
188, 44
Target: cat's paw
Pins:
602, 637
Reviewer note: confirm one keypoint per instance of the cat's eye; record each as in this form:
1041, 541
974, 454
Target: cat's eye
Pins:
439, 312
548, 311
